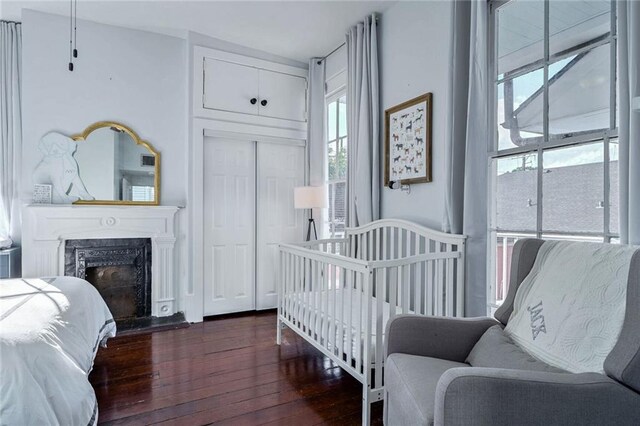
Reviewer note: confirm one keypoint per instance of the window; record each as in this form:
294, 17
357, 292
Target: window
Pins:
553, 165
336, 165
142, 193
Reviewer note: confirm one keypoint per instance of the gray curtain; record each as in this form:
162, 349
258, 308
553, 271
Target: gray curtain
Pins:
316, 141
10, 128
467, 147
629, 137
363, 117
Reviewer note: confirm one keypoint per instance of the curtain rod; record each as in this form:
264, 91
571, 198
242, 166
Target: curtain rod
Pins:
330, 53
11, 22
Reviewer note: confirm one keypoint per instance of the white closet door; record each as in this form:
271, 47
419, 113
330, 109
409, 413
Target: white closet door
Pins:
280, 169
229, 212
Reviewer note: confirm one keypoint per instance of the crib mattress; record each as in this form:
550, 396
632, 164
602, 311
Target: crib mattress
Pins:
314, 303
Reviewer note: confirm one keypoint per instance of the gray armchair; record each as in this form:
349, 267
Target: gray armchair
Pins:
466, 371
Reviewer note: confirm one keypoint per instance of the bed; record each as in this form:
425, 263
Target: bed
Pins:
50, 331
339, 294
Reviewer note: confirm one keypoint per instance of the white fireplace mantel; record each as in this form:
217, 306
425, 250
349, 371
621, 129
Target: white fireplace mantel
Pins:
45, 228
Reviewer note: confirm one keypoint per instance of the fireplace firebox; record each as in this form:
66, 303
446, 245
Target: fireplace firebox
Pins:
119, 268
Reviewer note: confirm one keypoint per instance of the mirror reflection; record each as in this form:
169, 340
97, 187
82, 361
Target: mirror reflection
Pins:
114, 167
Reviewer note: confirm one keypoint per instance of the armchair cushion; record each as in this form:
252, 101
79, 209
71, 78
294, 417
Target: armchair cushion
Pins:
491, 396
410, 383
495, 349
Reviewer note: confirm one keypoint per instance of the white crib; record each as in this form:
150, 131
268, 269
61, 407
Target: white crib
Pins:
338, 294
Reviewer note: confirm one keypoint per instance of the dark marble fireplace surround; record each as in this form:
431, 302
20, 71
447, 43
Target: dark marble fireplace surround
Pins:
119, 268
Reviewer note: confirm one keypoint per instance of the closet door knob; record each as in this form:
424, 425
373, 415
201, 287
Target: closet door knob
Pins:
253, 101
263, 102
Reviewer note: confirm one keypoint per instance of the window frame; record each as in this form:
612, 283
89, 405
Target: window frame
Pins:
330, 98
545, 142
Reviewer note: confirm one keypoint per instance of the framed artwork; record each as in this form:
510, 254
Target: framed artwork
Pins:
407, 144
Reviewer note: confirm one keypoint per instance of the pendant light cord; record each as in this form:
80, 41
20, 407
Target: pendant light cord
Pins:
70, 35
75, 29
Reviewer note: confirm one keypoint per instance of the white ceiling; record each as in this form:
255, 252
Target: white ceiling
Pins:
293, 29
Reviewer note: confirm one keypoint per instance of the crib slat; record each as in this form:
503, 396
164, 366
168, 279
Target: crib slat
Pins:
380, 284
332, 326
324, 333
385, 242
358, 323
393, 292
449, 295
349, 314
284, 275
429, 302
310, 293
299, 291
290, 282
418, 279
439, 282
292, 286
460, 279
406, 280
317, 292
306, 292
340, 309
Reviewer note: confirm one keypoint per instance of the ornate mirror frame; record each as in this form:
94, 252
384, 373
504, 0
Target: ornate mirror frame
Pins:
156, 179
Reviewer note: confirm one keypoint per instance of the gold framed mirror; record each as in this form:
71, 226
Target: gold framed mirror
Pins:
116, 166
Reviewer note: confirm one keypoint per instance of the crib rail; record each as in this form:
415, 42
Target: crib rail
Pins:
339, 294
312, 301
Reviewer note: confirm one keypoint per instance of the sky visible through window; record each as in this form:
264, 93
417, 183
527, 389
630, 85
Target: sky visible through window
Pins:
523, 88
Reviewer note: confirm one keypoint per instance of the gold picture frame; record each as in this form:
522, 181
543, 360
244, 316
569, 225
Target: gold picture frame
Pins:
407, 141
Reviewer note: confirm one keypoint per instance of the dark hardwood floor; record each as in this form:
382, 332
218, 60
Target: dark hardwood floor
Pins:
224, 371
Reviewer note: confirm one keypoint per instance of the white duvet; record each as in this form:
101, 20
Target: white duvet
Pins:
50, 330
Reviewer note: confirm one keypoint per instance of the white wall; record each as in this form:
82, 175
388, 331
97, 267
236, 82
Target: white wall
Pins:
134, 77
414, 59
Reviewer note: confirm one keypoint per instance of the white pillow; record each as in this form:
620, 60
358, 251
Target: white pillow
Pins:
568, 311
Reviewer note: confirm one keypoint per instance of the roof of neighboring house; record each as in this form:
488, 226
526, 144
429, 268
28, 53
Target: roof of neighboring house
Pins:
571, 199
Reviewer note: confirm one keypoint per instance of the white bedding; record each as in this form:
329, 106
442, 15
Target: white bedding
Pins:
316, 302
50, 329
569, 310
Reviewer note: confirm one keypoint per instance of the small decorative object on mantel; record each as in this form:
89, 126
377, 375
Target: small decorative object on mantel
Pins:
408, 142
41, 194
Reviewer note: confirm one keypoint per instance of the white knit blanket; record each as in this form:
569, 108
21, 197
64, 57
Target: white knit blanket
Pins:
569, 310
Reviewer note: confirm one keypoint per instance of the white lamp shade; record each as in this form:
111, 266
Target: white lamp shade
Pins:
310, 197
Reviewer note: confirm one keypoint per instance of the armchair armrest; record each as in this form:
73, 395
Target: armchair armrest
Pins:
437, 337
491, 396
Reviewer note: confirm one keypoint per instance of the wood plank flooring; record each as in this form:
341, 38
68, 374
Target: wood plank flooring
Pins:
226, 371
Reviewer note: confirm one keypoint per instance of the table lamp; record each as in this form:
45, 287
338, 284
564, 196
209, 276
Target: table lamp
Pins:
310, 197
